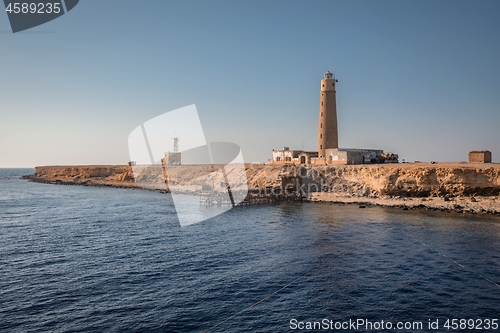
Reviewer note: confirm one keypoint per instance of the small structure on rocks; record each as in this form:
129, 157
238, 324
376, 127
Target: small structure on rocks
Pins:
482, 156
173, 158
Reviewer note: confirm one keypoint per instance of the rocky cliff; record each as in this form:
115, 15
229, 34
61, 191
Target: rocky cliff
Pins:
454, 187
410, 180
89, 175
405, 180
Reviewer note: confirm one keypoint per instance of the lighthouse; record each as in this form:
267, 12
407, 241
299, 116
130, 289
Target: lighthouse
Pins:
328, 152
328, 136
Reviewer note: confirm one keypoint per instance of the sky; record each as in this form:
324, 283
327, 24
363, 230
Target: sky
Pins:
417, 78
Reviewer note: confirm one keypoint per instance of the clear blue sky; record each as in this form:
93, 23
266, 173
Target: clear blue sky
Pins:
418, 78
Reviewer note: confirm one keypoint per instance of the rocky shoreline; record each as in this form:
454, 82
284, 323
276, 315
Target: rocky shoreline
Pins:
450, 187
458, 205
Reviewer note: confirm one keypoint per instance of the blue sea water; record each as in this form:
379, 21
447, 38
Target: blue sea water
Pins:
84, 259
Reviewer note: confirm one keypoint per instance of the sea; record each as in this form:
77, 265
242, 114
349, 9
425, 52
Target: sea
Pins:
88, 259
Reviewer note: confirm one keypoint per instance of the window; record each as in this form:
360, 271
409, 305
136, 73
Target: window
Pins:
278, 159
321, 114
321, 125
322, 85
321, 136
321, 103
320, 146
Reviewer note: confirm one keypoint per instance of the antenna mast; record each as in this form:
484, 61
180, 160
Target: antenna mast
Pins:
176, 145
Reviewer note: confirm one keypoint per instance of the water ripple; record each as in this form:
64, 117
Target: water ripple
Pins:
98, 259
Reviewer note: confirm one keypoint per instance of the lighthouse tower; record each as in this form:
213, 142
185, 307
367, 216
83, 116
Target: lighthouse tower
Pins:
328, 136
